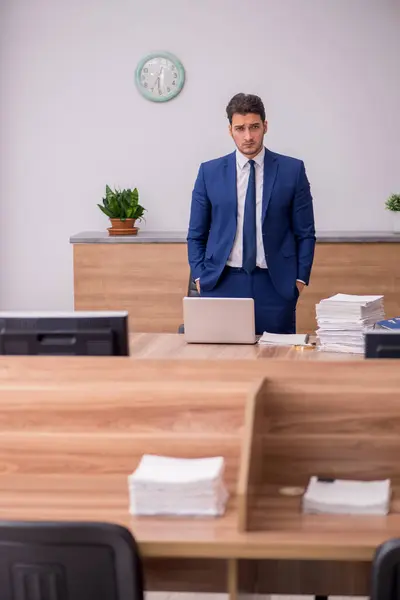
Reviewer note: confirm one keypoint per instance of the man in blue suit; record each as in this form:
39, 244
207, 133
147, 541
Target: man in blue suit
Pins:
251, 231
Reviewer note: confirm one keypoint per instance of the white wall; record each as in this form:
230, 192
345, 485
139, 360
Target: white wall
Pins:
71, 119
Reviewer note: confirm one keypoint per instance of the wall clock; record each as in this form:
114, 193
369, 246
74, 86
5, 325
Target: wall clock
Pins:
160, 76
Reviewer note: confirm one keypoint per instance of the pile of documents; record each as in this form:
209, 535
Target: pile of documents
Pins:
344, 319
178, 486
342, 497
283, 339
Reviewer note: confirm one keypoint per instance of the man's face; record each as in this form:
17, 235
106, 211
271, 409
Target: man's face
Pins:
248, 133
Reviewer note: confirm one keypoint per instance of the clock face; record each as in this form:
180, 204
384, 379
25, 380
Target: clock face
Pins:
160, 77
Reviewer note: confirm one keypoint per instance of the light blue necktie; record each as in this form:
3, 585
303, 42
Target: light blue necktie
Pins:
249, 224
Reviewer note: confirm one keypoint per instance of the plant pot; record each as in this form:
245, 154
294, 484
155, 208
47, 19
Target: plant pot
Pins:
396, 221
119, 227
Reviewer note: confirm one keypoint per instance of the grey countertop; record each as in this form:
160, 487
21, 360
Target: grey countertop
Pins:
179, 237
143, 237
357, 237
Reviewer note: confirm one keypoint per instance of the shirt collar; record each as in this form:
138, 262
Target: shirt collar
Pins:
242, 160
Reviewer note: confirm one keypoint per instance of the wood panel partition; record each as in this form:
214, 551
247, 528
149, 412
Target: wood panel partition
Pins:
336, 430
251, 460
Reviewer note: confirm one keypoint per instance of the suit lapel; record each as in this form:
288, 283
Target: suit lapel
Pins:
230, 181
270, 172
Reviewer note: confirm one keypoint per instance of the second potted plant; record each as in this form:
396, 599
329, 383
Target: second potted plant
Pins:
393, 204
123, 209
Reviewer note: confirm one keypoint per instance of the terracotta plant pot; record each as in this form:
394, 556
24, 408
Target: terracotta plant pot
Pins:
119, 227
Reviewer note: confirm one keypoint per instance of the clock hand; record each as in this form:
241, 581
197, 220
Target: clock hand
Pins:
162, 77
156, 81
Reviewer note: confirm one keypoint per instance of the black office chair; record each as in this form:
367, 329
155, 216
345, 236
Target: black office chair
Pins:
385, 584
68, 561
192, 288
192, 292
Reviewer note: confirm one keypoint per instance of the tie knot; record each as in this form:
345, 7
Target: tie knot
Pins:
252, 163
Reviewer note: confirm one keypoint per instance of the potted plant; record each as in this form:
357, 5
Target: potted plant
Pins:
393, 204
123, 209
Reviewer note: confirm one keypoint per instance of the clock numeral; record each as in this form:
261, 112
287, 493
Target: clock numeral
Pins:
145, 84
175, 74
174, 83
159, 92
145, 70
168, 89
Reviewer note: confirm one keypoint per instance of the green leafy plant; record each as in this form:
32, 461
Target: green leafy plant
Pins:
393, 203
122, 204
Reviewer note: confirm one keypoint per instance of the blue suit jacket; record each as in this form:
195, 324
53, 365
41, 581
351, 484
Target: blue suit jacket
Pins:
287, 221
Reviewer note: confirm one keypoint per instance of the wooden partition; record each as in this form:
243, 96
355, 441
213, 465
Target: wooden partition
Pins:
333, 428
92, 429
334, 425
251, 461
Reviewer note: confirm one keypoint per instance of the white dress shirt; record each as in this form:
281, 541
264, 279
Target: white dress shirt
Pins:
242, 179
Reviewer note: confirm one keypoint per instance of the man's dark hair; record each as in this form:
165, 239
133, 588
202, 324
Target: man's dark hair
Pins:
243, 104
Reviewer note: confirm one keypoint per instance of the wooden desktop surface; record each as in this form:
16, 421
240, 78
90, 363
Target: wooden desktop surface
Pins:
287, 534
173, 346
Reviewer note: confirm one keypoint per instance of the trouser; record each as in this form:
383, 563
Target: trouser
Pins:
273, 313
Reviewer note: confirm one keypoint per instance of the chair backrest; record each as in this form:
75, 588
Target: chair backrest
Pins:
192, 289
386, 571
68, 561
192, 292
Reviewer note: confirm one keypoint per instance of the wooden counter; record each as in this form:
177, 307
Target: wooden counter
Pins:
148, 275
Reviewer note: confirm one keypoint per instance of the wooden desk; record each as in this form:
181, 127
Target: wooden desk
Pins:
72, 429
173, 346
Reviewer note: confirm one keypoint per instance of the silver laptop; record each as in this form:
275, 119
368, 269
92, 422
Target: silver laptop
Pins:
219, 320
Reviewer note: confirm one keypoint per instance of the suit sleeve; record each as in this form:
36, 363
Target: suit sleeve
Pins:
303, 226
199, 225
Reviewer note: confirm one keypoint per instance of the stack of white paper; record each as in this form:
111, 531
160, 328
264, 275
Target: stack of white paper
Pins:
178, 486
341, 497
344, 319
284, 339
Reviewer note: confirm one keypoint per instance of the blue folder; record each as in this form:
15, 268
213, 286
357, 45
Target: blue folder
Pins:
389, 324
